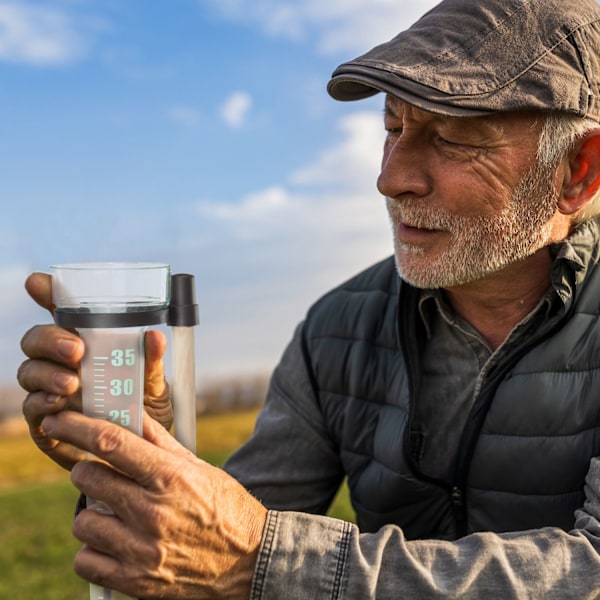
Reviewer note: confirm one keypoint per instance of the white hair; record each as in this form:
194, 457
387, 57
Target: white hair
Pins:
559, 133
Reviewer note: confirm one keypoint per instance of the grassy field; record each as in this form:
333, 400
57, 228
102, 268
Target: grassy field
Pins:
36, 510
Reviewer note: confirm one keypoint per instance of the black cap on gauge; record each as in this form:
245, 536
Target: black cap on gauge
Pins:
183, 310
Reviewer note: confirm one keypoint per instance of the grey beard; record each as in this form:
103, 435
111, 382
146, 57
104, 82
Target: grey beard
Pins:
479, 246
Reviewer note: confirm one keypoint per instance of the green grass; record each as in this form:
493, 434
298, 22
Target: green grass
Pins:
36, 545
37, 548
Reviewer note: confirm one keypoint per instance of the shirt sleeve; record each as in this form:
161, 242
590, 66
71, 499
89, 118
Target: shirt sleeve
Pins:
306, 556
290, 462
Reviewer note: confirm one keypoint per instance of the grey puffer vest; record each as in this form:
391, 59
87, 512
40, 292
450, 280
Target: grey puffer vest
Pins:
533, 429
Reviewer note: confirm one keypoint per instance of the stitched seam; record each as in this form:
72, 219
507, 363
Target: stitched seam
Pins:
258, 581
337, 590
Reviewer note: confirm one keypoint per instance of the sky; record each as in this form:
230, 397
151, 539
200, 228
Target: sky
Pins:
197, 133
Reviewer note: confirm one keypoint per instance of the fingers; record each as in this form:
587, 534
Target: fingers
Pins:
127, 452
54, 343
35, 407
112, 490
54, 354
49, 375
37, 375
105, 571
106, 533
105, 538
38, 405
39, 287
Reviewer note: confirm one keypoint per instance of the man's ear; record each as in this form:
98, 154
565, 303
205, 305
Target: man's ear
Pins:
582, 175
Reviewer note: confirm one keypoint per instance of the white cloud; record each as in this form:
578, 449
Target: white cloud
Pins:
235, 109
352, 163
339, 25
253, 207
334, 197
38, 35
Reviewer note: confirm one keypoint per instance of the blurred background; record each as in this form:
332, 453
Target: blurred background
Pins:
197, 133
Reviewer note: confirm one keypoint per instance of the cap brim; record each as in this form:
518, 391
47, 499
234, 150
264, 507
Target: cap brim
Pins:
359, 82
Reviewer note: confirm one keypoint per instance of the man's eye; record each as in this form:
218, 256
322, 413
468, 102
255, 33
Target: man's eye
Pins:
448, 142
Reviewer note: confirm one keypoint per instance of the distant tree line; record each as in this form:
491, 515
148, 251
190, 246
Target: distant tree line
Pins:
237, 393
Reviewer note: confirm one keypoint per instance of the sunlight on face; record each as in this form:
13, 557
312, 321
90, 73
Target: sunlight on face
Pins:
477, 246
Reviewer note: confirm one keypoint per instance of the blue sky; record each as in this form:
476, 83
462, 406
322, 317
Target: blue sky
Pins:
197, 133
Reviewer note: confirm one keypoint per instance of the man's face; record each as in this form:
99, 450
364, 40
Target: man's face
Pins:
466, 196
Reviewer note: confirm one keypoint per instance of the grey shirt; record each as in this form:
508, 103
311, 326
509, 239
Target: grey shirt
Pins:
454, 362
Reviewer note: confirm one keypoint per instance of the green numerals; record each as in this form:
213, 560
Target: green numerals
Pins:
123, 357
121, 417
121, 387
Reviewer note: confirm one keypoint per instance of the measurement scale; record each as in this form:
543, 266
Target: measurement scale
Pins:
112, 376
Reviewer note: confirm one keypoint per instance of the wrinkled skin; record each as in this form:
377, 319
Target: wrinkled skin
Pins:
179, 527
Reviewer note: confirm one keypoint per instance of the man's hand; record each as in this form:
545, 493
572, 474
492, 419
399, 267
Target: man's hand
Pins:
181, 528
50, 375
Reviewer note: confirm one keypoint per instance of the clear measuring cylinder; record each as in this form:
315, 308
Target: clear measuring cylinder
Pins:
111, 305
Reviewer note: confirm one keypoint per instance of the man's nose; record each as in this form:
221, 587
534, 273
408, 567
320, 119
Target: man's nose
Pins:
403, 170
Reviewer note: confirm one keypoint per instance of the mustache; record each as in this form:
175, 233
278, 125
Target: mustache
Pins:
421, 216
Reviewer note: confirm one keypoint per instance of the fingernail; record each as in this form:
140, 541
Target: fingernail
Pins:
47, 423
66, 348
100, 508
53, 398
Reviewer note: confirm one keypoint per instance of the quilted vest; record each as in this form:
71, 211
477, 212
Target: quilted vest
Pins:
533, 429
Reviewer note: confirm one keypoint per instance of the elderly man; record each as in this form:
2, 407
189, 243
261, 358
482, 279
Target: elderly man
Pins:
455, 385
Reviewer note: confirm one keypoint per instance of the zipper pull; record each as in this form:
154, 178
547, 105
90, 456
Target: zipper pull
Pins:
458, 502
457, 497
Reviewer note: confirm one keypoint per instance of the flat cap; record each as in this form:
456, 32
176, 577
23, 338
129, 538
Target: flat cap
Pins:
473, 57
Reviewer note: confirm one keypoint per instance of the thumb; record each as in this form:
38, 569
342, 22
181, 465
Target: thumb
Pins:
155, 345
39, 287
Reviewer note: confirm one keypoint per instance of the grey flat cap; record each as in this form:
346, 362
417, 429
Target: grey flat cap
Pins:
470, 57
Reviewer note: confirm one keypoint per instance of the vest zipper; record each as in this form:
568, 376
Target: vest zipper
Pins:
407, 322
411, 360
459, 510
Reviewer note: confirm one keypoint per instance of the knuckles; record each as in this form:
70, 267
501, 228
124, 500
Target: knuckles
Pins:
108, 440
31, 338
